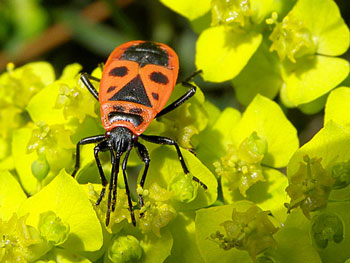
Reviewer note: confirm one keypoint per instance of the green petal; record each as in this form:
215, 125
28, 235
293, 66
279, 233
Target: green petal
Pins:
267, 119
185, 247
43, 70
188, 8
338, 107
11, 195
156, 249
67, 199
42, 106
222, 53
330, 144
264, 66
212, 141
269, 195
294, 242
208, 221
59, 255
329, 30
339, 248
23, 160
312, 76
165, 166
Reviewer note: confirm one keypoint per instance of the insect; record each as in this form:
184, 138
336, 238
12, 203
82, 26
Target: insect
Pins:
136, 83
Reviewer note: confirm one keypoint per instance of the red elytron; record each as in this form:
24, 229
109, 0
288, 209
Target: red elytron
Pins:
136, 83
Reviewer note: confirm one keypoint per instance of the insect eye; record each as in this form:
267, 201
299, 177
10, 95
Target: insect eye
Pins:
159, 77
119, 71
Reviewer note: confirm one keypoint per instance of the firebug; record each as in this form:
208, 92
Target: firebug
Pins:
137, 81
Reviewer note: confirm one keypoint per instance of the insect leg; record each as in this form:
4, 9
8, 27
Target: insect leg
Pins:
115, 174
125, 161
87, 140
85, 79
144, 156
112, 183
183, 98
102, 146
168, 141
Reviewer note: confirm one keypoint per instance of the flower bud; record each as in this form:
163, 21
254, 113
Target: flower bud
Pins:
40, 168
327, 227
125, 249
52, 228
183, 188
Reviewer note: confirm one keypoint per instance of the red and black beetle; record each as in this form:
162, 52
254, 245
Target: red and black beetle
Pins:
136, 83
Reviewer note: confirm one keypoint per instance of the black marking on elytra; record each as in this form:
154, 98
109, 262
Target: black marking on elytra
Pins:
135, 110
111, 88
146, 53
155, 95
136, 120
118, 108
119, 71
134, 91
159, 77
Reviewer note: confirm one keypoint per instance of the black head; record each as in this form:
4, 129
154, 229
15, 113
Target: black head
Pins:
121, 139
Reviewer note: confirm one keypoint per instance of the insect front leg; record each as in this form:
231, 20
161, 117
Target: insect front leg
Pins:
144, 156
87, 140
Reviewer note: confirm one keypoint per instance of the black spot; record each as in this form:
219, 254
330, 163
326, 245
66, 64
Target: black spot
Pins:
134, 91
159, 77
147, 53
118, 108
119, 71
155, 96
111, 88
135, 110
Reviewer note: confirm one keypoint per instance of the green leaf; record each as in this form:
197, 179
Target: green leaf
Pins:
222, 53
266, 118
188, 8
265, 68
338, 107
165, 167
11, 195
67, 199
329, 30
312, 76
208, 221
